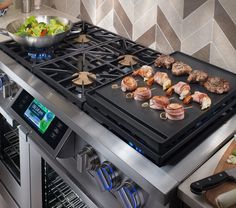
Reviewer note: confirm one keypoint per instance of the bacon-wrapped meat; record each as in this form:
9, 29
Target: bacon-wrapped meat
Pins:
174, 111
179, 68
164, 61
145, 72
217, 85
181, 88
197, 76
203, 99
162, 79
142, 93
128, 84
159, 102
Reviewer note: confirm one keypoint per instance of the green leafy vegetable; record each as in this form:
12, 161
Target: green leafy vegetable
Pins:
31, 27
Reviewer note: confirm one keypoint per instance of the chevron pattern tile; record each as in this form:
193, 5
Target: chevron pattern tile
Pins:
203, 28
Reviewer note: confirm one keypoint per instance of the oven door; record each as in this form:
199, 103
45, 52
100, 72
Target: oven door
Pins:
14, 160
52, 185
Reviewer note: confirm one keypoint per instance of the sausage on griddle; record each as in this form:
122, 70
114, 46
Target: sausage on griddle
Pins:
159, 102
142, 93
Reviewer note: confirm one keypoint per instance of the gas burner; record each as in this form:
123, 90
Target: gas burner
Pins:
83, 38
128, 60
84, 78
40, 54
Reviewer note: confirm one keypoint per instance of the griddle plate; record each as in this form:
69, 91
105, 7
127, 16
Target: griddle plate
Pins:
162, 135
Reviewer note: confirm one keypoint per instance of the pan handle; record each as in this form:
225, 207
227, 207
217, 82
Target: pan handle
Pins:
3, 32
75, 31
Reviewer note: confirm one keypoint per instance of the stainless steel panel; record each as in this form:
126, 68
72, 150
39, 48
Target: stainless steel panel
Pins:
10, 183
24, 168
36, 179
7, 197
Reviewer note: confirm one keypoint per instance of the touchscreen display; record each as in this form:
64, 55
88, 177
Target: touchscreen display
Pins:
39, 115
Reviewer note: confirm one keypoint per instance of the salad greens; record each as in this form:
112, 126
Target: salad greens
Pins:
31, 27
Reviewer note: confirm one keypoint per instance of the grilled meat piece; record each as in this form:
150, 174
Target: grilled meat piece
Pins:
217, 85
179, 68
174, 111
181, 88
162, 79
203, 99
145, 72
159, 102
197, 76
128, 84
164, 61
142, 93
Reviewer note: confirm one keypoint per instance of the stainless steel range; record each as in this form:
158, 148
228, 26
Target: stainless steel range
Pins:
79, 154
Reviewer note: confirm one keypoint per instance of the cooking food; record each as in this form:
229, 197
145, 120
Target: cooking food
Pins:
231, 159
174, 111
159, 102
181, 88
234, 152
197, 76
128, 84
142, 93
217, 85
150, 81
164, 61
179, 68
162, 79
203, 99
145, 72
31, 27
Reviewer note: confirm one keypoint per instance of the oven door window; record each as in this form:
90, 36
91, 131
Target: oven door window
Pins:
56, 192
9, 148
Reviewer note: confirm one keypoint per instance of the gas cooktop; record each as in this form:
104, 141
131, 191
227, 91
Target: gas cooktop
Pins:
85, 65
82, 61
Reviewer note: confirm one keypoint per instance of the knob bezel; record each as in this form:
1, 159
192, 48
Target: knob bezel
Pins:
87, 159
131, 195
109, 177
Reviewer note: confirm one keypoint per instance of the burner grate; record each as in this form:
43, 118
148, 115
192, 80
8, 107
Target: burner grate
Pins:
61, 73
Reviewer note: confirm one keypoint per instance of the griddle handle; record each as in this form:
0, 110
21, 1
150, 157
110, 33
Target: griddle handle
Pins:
208, 183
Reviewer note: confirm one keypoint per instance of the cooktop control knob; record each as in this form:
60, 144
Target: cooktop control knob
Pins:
87, 159
108, 176
131, 195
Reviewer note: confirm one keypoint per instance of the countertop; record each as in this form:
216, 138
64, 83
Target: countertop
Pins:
207, 169
13, 14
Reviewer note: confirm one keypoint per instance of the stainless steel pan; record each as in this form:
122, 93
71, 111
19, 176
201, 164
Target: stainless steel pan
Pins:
37, 42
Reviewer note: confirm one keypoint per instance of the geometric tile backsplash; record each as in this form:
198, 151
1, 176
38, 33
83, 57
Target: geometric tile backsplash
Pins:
205, 29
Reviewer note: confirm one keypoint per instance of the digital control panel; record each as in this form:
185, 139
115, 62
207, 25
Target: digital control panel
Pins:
40, 118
